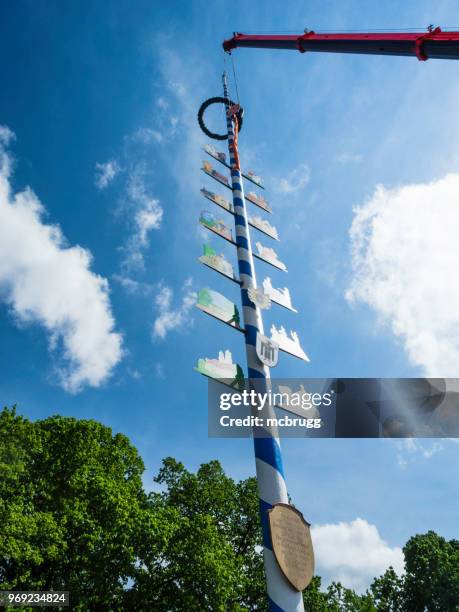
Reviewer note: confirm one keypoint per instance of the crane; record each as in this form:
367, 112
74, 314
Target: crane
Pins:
289, 572
431, 44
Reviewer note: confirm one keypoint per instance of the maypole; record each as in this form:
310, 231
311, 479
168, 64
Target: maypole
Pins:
287, 548
268, 459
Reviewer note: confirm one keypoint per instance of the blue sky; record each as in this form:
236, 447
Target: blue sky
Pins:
102, 100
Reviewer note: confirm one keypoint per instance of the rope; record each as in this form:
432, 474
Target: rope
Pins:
235, 79
225, 76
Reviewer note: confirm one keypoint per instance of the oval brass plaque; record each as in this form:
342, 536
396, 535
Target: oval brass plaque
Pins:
292, 544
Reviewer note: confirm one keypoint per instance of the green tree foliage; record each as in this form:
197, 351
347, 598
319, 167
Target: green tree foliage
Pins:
387, 592
74, 516
335, 599
432, 574
72, 508
207, 556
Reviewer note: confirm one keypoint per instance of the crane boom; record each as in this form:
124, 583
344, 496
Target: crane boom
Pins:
432, 44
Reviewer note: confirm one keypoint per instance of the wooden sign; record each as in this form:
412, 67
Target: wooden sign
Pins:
292, 544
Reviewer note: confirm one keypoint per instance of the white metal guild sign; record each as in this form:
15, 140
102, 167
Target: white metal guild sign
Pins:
258, 297
267, 350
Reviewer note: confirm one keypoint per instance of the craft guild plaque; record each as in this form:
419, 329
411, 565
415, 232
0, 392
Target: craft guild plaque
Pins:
292, 544
267, 350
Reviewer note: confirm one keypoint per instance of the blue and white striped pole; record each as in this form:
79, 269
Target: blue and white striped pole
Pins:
270, 474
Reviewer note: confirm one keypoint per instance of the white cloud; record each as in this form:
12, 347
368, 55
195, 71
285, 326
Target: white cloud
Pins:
410, 448
180, 88
147, 215
133, 373
353, 553
162, 131
183, 76
170, 318
133, 286
6, 135
45, 281
162, 103
349, 158
297, 179
405, 260
148, 135
164, 299
105, 173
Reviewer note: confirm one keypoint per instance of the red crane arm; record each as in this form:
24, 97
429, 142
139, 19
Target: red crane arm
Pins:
433, 44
